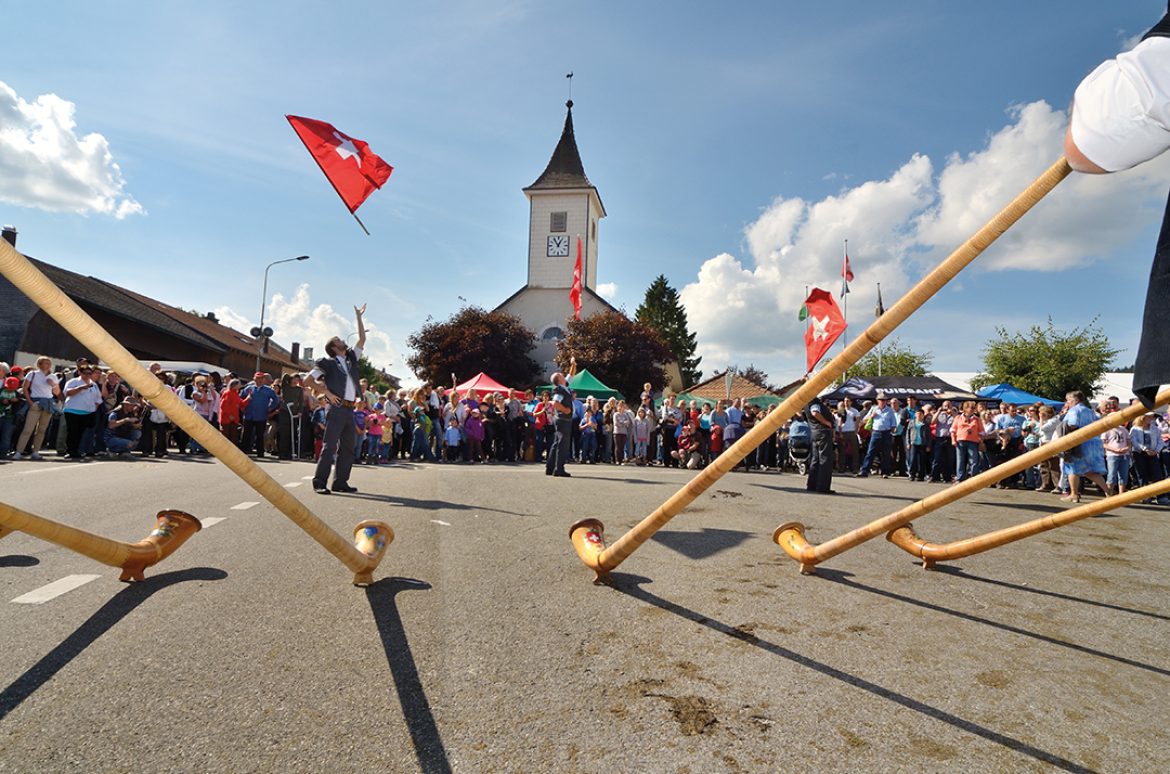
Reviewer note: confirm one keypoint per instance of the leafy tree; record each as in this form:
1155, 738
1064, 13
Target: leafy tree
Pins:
752, 373
1047, 361
662, 311
377, 379
896, 360
620, 352
474, 340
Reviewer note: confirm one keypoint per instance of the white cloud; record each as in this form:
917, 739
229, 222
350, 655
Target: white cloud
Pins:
607, 290
745, 310
296, 319
44, 164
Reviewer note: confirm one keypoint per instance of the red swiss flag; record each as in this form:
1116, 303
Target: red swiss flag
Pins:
575, 291
354, 170
826, 324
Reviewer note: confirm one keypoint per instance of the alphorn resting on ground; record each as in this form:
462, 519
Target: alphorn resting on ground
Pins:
171, 531
588, 535
791, 537
361, 558
907, 539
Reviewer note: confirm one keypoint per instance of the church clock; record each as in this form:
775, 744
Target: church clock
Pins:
558, 246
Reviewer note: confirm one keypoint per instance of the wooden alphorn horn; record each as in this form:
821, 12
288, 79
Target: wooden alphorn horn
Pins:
588, 536
791, 538
171, 530
907, 539
41, 290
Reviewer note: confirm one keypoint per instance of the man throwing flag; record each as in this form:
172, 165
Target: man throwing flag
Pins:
334, 380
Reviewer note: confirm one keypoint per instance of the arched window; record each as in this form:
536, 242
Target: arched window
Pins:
552, 333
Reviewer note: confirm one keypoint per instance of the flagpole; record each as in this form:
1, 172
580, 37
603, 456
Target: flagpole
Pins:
359, 220
879, 348
845, 307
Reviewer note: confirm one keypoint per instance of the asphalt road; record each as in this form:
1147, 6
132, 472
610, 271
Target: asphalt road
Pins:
485, 647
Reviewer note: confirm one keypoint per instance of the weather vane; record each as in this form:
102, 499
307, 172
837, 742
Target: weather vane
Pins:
570, 77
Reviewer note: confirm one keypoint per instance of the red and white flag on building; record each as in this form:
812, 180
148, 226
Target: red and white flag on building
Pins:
575, 292
826, 324
352, 168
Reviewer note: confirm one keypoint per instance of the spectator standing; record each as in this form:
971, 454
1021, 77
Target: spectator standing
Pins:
848, 456
820, 465
880, 439
260, 406
1088, 459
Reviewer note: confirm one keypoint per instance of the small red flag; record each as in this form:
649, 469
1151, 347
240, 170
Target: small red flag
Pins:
352, 168
846, 269
826, 325
575, 293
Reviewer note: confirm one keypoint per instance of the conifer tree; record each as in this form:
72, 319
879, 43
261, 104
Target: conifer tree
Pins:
662, 311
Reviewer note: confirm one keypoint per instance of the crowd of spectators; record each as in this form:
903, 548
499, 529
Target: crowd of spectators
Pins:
89, 412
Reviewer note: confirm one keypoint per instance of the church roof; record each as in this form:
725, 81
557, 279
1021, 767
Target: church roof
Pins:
564, 169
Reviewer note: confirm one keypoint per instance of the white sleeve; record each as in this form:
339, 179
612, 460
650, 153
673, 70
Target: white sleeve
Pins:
316, 373
1121, 111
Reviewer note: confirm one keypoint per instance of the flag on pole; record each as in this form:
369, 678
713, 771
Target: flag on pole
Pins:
352, 168
827, 325
575, 292
846, 274
802, 315
880, 309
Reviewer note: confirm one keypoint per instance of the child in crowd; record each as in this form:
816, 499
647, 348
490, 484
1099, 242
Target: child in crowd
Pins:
473, 429
716, 440
230, 404
374, 428
917, 433
588, 437
318, 427
360, 414
420, 447
10, 402
452, 439
641, 436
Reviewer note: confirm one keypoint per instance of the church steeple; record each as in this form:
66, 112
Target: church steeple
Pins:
564, 169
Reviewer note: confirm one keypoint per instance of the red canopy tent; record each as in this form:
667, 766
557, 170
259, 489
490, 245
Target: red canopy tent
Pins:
484, 384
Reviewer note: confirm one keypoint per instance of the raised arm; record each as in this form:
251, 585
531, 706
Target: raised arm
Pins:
361, 326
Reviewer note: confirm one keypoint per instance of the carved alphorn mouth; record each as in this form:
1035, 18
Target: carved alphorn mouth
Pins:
171, 530
907, 539
602, 559
31, 281
791, 538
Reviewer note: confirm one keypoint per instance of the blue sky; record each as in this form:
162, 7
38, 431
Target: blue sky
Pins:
734, 150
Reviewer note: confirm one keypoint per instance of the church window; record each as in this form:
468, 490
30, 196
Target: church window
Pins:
594, 229
552, 332
558, 222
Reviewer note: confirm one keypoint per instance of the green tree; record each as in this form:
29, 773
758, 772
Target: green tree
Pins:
662, 311
620, 352
754, 374
896, 360
377, 379
1047, 361
474, 340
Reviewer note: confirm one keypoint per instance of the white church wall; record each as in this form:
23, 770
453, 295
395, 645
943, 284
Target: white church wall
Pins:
547, 272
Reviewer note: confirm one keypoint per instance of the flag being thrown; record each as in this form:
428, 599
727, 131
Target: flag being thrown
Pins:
827, 325
351, 167
575, 292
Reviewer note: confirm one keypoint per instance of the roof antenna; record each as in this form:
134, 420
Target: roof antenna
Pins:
569, 104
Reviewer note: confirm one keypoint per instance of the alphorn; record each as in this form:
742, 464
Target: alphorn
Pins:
907, 539
171, 530
588, 535
41, 290
791, 536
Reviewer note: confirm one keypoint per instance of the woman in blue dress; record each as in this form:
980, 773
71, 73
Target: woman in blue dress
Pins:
1088, 459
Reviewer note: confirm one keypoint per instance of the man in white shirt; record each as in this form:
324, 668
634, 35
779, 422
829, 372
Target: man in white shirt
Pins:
1121, 118
848, 453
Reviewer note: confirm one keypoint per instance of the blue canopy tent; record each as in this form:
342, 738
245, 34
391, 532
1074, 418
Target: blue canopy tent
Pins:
1005, 393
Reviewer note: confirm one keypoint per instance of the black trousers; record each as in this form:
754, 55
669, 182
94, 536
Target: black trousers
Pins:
1153, 356
254, 430
560, 447
338, 443
820, 463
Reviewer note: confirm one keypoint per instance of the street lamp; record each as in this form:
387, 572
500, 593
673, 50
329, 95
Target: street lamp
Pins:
261, 330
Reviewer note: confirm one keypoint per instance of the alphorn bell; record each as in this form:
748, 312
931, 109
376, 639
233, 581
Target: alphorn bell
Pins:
791, 537
170, 531
905, 538
588, 535
41, 290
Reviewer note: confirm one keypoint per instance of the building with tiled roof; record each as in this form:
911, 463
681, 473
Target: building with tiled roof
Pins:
715, 388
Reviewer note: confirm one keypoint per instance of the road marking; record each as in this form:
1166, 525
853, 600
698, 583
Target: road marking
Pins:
306, 478
444, 523
75, 466
244, 506
211, 521
54, 589
293, 484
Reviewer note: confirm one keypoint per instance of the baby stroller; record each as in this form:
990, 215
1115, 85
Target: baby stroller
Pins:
799, 445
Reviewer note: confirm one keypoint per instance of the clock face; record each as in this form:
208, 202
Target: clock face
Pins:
558, 245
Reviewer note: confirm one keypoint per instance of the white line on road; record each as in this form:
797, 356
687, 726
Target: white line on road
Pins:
54, 589
293, 484
73, 466
244, 506
306, 478
211, 521
444, 523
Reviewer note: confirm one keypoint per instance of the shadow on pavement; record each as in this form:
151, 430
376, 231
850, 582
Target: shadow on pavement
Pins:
864, 495
425, 505
416, 709
18, 560
702, 544
633, 586
843, 578
959, 573
123, 603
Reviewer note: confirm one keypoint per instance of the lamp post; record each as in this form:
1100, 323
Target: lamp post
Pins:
261, 331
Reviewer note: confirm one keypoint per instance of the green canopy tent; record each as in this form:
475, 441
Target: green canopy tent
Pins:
586, 384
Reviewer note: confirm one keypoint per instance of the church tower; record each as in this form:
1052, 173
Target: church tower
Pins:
563, 205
